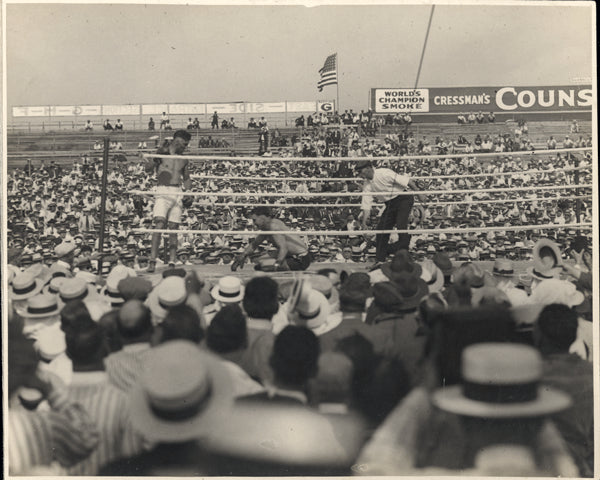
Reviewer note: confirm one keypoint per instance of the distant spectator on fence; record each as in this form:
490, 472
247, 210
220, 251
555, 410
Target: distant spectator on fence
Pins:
88, 126
252, 123
480, 117
491, 117
262, 123
151, 124
107, 125
471, 118
574, 127
164, 120
551, 144
232, 123
119, 124
190, 124
196, 124
215, 121
461, 119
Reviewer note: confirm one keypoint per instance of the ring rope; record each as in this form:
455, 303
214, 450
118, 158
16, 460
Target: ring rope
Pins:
583, 225
357, 194
436, 204
355, 179
358, 159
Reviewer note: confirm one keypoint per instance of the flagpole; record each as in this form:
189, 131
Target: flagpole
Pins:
337, 85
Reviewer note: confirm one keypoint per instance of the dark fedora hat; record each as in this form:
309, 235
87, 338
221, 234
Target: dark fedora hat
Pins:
400, 264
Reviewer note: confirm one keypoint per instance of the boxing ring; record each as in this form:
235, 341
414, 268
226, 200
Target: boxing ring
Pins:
576, 192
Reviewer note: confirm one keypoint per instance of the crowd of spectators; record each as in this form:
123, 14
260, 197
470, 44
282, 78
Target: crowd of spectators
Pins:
122, 373
337, 373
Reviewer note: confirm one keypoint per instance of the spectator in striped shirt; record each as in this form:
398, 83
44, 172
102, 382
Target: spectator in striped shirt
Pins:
106, 404
134, 326
63, 434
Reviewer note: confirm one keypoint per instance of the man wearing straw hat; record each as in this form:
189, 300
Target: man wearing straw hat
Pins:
170, 174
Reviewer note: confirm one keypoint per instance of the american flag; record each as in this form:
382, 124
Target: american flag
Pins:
328, 72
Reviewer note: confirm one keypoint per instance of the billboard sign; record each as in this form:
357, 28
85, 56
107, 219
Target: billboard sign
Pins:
486, 99
187, 108
400, 100
120, 110
326, 107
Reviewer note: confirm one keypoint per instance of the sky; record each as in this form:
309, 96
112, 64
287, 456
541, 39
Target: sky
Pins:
77, 54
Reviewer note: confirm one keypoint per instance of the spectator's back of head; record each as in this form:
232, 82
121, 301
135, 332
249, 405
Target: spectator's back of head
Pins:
134, 322
227, 332
261, 298
557, 327
74, 315
86, 345
182, 323
295, 355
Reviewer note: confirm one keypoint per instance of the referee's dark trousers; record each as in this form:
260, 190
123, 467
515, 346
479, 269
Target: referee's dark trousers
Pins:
395, 215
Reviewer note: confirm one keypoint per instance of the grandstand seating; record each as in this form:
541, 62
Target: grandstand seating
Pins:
62, 145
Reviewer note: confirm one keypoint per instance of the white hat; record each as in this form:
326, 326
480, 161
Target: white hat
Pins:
169, 293
40, 306
432, 275
50, 342
312, 309
183, 392
25, 285
500, 380
556, 291
228, 290
64, 248
74, 289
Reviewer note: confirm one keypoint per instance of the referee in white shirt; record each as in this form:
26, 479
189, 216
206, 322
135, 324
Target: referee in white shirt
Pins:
397, 205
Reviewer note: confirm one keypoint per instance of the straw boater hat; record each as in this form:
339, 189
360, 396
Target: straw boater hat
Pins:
53, 286
228, 290
169, 293
74, 289
501, 380
40, 307
503, 268
182, 394
24, 286
312, 309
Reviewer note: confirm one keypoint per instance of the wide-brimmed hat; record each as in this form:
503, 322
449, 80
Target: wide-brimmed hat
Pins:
64, 248
40, 271
312, 309
169, 293
50, 342
401, 264
24, 286
74, 289
432, 275
40, 306
501, 380
547, 259
401, 296
183, 393
442, 260
59, 270
503, 267
555, 290
228, 290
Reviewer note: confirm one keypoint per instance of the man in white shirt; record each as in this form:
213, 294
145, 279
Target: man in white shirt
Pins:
384, 183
